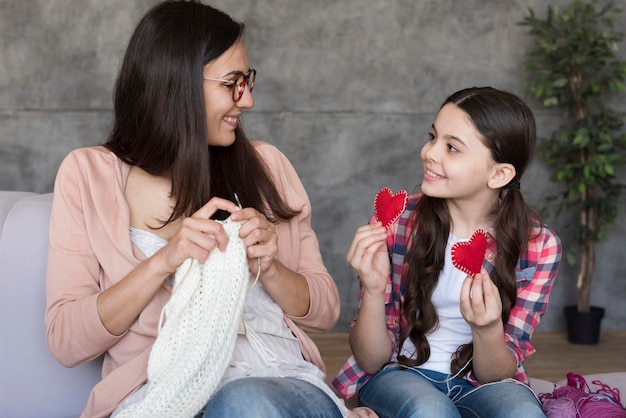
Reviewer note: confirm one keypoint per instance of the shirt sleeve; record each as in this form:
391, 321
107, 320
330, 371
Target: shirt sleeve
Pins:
536, 271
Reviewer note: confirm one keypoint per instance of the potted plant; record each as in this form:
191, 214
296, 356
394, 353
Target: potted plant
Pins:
572, 65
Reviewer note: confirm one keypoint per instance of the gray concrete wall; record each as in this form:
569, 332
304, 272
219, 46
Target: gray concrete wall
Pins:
347, 89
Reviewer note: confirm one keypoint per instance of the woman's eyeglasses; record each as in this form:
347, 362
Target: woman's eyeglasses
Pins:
238, 85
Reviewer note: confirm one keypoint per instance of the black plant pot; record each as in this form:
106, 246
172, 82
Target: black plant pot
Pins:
583, 327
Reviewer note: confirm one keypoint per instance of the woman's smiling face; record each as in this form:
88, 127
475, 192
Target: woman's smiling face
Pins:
222, 112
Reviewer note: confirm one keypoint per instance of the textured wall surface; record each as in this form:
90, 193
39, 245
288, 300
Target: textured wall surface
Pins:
346, 89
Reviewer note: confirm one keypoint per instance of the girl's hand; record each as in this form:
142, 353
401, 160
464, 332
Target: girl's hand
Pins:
260, 237
481, 305
368, 256
197, 236
361, 412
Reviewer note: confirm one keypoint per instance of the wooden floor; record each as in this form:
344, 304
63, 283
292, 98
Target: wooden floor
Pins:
555, 356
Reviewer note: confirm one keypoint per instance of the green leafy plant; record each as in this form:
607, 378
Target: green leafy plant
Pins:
573, 65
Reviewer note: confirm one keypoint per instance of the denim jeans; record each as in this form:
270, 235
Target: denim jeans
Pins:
401, 392
271, 397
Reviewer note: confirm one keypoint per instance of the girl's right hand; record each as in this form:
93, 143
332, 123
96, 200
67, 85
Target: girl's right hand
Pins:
197, 236
368, 256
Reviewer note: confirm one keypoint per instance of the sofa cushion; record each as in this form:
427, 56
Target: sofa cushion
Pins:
7, 200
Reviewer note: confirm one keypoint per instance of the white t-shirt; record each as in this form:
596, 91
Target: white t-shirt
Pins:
452, 330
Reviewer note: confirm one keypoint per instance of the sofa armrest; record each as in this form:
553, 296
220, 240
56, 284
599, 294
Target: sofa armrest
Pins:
32, 383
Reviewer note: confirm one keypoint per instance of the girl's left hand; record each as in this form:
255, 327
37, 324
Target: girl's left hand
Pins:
481, 305
260, 237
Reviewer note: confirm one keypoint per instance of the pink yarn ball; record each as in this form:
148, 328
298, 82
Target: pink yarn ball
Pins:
576, 400
559, 408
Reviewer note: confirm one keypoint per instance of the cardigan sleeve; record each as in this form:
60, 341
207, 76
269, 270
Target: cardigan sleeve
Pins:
298, 245
75, 333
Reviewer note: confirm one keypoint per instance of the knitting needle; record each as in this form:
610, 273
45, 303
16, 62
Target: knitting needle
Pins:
237, 200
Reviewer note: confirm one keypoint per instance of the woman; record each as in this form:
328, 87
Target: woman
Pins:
128, 213
429, 339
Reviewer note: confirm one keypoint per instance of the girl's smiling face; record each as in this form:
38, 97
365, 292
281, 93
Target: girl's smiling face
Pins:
222, 112
457, 164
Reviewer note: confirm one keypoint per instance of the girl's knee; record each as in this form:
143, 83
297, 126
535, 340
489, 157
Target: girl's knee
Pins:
511, 400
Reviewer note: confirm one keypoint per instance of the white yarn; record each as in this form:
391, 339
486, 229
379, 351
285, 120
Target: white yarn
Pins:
195, 345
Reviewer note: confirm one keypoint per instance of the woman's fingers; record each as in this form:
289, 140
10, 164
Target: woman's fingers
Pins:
213, 205
198, 235
205, 233
196, 238
260, 237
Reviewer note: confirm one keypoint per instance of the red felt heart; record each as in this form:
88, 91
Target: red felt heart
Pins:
388, 206
468, 256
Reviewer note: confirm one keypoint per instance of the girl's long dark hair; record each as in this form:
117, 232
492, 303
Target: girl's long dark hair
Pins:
508, 127
160, 122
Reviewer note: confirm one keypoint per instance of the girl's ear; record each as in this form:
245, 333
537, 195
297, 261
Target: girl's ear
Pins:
501, 175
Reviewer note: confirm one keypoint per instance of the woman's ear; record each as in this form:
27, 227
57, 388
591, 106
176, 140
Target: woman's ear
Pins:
501, 175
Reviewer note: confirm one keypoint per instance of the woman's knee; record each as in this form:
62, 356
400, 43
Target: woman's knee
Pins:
270, 398
242, 394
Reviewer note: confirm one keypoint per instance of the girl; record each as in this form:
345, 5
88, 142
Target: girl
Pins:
430, 340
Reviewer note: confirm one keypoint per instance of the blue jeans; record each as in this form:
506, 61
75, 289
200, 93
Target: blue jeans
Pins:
270, 397
399, 392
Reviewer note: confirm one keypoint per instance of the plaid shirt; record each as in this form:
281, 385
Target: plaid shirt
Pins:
535, 271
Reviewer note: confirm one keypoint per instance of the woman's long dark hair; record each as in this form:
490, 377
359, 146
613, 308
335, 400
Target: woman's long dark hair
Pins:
508, 127
160, 119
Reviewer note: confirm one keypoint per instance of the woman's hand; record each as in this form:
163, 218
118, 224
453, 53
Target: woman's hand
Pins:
288, 288
368, 256
260, 237
197, 236
481, 305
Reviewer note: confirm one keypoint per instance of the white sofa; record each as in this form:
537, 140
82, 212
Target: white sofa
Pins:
32, 383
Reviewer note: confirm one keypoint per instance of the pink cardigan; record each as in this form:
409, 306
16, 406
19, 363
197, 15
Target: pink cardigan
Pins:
90, 250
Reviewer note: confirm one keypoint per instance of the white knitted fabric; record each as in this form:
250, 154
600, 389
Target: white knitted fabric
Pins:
195, 345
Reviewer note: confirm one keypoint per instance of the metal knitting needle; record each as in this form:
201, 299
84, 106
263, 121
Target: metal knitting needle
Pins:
237, 200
